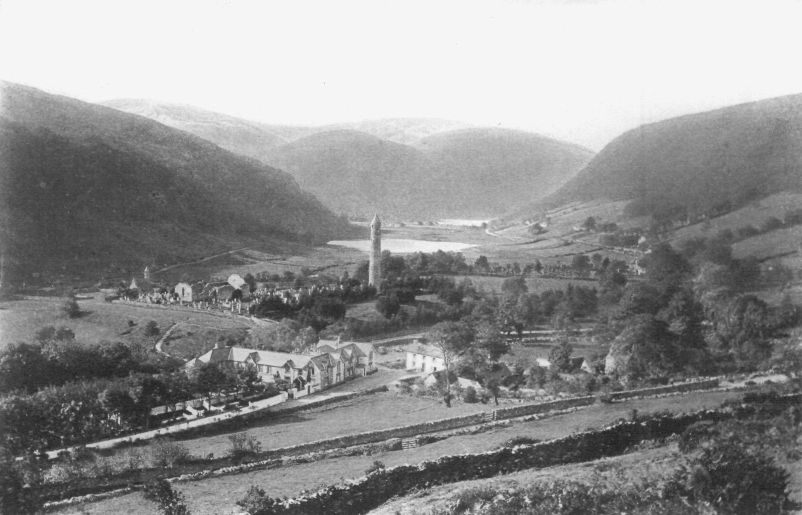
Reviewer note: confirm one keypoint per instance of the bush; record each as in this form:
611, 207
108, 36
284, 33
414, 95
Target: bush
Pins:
376, 465
257, 501
243, 446
167, 454
170, 502
733, 480
470, 395
71, 307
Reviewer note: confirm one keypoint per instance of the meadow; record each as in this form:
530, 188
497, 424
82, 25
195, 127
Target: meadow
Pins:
101, 321
218, 495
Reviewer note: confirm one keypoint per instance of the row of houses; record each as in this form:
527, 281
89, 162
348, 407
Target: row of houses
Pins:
331, 363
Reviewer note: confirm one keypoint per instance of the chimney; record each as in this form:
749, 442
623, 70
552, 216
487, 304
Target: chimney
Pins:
338, 341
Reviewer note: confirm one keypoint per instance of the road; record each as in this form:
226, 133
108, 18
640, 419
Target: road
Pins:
202, 260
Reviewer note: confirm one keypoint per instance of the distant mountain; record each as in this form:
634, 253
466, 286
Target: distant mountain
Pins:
256, 139
489, 171
696, 162
87, 187
407, 131
404, 168
358, 174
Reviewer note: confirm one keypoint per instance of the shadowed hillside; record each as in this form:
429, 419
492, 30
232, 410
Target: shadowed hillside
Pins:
404, 168
696, 162
88, 185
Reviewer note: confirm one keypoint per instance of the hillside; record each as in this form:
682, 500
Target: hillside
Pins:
700, 161
358, 174
412, 168
252, 139
88, 188
485, 172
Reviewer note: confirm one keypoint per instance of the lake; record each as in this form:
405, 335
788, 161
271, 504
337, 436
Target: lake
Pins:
463, 222
404, 246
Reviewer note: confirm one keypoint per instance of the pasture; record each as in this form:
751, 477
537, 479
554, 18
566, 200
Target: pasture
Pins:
101, 321
219, 495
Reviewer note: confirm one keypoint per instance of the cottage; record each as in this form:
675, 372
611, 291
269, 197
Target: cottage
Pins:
424, 358
306, 373
359, 356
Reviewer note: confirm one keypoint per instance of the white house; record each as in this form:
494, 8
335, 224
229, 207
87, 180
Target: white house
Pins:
424, 358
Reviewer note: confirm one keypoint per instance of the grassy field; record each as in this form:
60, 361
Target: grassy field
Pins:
754, 214
535, 284
218, 495
628, 467
102, 321
341, 418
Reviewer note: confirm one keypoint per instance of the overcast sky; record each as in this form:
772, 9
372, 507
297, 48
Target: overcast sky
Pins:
582, 71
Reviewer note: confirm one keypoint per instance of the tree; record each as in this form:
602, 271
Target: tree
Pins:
71, 307
560, 356
388, 305
589, 224
666, 270
250, 280
148, 392
169, 501
152, 329
744, 330
119, 403
490, 340
514, 287
23, 366
210, 379
16, 497
452, 339
481, 264
645, 348
580, 263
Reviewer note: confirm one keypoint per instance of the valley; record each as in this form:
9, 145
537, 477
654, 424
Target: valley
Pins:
395, 315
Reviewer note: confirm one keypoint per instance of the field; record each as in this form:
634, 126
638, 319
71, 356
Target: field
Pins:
102, 321
754, 214
630, 467
218, 495
535, 284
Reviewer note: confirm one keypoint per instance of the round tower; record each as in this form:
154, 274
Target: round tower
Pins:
375, 267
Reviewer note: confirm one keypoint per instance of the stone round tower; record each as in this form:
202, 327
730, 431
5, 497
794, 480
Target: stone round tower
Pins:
375, 267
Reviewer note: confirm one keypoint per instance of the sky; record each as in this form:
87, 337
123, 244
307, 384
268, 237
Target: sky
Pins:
582, 71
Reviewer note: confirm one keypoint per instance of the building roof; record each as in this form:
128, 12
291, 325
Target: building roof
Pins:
278, 359
426, 350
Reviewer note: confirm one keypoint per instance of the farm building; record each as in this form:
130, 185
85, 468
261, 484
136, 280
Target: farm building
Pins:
424, 358
306, 373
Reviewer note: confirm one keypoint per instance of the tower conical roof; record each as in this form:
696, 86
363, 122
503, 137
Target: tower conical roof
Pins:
376, 220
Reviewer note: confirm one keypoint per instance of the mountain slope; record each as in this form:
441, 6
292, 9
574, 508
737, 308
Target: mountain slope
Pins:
83, 183
699, 161
485, 172
358, 174
404, 168
252, 139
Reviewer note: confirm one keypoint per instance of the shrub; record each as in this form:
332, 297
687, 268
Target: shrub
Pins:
376, 465
470, 395
257, 501
167, 454
733, 480
243, 446
170, 502
71, 307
